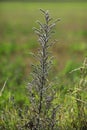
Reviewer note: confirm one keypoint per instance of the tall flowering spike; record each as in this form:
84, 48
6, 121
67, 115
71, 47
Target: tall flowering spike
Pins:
41, 93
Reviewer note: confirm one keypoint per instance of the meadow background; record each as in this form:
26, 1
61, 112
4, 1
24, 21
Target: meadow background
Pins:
17, 40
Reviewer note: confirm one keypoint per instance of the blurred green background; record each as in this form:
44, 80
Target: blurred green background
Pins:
17, 40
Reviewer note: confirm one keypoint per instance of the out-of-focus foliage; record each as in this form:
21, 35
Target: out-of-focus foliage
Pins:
44, 0
17, 40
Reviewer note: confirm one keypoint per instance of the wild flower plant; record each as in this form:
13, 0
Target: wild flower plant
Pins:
42, 111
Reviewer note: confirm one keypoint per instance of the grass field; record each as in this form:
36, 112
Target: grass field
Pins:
17, 39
